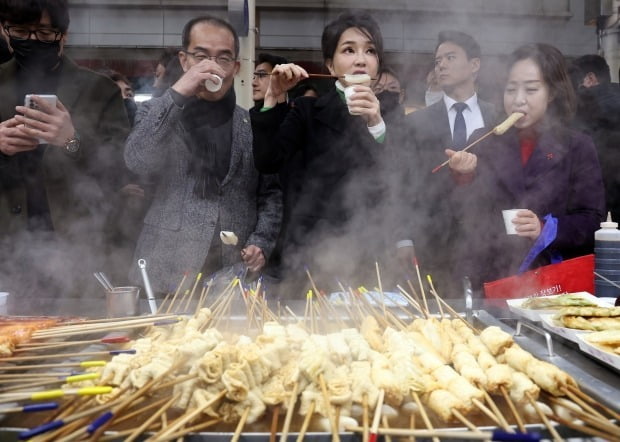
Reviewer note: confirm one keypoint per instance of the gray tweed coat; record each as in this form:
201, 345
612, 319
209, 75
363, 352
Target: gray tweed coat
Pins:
178, 227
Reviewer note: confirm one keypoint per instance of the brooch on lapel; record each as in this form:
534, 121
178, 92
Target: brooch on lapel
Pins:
549, 156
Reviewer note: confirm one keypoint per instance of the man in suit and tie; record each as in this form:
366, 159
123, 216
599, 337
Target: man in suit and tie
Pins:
434, 134
198, 143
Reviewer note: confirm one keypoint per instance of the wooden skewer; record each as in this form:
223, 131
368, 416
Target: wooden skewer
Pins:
191, 295
435, 434
126, 402
412, 426
138, 431
365, 422
306, 422
435, 294
603, 425
51, 332
63, 364
121, 434
380, 288
140, 410
543, 417
384, 421
203, 295
456, 413
160, 309
497, 412
491, 415
415, 304
176, 293
417, 270
587, 398
513, 409
64, 355
418, 299
289, 413
587, 430
445, 163
424, 415
126, 325
377, 417
274, 423
187, 417
330, 415
179, 435
583, 404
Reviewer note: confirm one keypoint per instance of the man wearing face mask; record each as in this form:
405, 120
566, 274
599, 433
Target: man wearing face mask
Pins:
56, 160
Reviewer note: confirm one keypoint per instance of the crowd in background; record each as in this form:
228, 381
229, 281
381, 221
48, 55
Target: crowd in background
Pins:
328, 175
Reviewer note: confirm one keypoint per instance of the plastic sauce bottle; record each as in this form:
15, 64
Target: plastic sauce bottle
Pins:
607, 259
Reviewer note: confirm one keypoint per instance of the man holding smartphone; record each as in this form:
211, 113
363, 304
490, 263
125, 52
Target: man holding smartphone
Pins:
60, 156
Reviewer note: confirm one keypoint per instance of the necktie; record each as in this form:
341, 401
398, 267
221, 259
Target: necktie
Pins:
459, 137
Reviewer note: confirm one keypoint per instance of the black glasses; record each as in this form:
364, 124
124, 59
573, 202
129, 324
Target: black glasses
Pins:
44, 35
259, 75
224, 61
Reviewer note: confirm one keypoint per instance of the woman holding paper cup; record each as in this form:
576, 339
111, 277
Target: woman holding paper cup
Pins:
324, 147
539, 166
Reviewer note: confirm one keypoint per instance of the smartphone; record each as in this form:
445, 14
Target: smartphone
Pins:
29, 102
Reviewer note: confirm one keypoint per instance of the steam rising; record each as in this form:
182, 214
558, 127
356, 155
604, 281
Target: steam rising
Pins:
42, 264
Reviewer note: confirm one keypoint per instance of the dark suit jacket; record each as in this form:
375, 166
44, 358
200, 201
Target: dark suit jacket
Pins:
432, 219
561, 178
335, 181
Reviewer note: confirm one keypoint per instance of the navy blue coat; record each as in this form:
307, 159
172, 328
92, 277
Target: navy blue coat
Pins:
561, 178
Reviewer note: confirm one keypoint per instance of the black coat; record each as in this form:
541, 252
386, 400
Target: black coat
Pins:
333, 186
598, 114
429, 196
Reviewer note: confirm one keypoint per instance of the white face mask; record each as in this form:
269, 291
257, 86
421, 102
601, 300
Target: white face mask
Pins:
432, 97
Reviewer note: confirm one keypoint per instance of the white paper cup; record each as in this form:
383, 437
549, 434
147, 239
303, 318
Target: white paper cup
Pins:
348, 91
214, 83
4, 298
509, 215
122, 301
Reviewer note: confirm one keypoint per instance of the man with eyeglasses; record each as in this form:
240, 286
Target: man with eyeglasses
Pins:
260, 80
199, 144
59, 163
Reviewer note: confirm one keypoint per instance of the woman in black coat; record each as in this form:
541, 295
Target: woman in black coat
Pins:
540, 166
327, 149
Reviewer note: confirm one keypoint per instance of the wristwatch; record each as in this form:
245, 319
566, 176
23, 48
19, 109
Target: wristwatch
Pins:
73, 144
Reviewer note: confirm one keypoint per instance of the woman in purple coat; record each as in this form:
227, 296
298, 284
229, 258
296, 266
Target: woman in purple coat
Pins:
540, 166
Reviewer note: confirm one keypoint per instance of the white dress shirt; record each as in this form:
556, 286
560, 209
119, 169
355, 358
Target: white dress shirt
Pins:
472, 114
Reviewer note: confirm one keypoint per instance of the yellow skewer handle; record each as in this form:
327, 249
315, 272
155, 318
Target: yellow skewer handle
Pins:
87, 364
87, 391
49, 394
82, 377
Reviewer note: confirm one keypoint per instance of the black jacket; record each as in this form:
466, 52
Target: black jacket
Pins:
331, 163
598, 114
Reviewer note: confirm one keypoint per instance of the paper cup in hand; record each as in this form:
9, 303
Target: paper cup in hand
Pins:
348, 91
214, 83
509, 215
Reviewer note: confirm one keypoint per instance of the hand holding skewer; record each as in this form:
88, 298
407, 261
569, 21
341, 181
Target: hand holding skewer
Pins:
283, 77
500, 129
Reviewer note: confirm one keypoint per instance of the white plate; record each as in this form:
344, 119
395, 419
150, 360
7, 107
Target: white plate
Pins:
598, 353
568, 333
534, 315
391, 299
